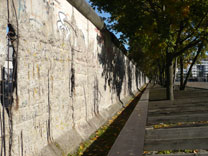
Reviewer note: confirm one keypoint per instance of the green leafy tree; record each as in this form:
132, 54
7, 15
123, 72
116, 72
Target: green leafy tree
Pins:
189, 60
160, 29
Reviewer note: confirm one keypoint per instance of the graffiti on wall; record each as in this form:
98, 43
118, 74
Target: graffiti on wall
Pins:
62, 25
71, 32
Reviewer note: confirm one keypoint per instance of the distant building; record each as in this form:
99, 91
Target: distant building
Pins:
199, 71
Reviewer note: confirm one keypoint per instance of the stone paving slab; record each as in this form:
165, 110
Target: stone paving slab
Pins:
196, 84
130, 141
189, 106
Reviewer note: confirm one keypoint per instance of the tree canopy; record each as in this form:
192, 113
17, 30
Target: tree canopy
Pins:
158, 31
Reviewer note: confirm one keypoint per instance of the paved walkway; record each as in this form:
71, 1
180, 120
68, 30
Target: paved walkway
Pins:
130, 141
203, 85
178, 125
157, 125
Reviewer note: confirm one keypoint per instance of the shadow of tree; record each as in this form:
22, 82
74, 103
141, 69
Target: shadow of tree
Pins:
113, 63
138, 79
157, 93
97, 95
103, 144
130, 73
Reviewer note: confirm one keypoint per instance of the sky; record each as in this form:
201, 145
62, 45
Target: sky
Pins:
106, 15
103, 14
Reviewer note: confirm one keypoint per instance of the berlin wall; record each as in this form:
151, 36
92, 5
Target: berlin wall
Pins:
68, 76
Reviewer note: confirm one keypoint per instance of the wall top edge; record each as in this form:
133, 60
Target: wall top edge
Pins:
86, 10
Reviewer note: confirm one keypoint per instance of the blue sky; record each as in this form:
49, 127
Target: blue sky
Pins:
106, 15
103, 14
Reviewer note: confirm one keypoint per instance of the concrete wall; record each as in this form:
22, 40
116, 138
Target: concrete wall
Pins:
70, 79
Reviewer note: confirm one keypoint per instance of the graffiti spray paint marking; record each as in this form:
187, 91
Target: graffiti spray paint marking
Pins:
61, 24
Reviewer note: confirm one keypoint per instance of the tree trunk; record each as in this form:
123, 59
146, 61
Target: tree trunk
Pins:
163, 78
160, 74
181, 75
192, 64
169, 78
175, 67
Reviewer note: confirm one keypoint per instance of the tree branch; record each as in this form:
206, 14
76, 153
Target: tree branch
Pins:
196, 28
200, 47
190, 45
154, 11
179, 35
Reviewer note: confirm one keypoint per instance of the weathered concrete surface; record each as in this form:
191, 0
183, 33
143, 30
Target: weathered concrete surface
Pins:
88, 12
71, 77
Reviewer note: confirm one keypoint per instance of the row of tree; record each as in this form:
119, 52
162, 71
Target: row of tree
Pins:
160, 33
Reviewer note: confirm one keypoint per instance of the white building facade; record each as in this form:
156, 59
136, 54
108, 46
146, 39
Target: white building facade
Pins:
199, 71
